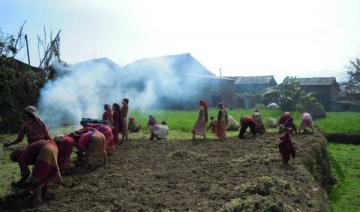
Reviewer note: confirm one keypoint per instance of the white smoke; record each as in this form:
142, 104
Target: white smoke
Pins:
82, 90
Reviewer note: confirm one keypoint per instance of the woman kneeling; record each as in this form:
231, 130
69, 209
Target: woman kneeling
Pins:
43, 155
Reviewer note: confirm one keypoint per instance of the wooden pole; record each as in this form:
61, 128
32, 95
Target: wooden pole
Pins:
27, 48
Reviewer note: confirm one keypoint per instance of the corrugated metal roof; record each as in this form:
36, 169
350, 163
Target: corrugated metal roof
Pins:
317, 81
254, 79
209, 77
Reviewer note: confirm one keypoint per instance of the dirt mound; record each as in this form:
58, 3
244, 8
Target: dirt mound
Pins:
234, 175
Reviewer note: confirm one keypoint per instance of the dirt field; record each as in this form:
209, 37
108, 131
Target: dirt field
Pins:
199, 176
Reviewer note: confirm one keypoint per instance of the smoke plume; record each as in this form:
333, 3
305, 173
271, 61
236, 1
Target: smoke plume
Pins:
81, 90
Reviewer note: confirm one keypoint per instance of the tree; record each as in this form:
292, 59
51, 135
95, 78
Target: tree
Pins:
354, 74
290, 96
11, 44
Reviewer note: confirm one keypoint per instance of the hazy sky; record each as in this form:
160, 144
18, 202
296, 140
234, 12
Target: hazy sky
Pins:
247, 37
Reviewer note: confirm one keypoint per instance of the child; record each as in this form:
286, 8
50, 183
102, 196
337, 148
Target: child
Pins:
212, 124
133, 127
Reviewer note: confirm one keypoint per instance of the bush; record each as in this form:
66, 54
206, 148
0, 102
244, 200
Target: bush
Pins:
19, 86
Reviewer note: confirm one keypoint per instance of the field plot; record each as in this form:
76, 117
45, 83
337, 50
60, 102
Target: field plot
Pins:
201, 176
345, 160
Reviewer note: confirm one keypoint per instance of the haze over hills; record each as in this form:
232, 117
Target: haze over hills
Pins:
161, 82
177, 64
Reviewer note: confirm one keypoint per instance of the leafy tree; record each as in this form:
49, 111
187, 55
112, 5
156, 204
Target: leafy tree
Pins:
290, 96
354, 74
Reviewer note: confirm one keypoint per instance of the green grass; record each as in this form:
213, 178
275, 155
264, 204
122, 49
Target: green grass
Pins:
340, 122
345, 162
9, 170
183, 121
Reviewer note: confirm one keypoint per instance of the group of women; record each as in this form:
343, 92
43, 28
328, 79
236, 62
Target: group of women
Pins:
256, 125
218, 126
118, 118
42, 152
51, 157
224, 122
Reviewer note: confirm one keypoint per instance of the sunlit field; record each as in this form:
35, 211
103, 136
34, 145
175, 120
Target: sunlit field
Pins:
344, 158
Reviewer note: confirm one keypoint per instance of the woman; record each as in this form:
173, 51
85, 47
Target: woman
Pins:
200, 125
283, 118
222, 121
90, 142
286, 147
65, 145
106, 131
34, 128
43, 155
124, 120
117, 122
107, 115
286, 122
157, 131
306, 121
153, 126
248, 121
259, 122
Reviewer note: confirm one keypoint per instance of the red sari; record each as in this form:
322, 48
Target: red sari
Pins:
46, 165
107, 116
43, 154
117, 124
93, 144
65, 150
283, 118
34, 131
200, 125
106, 130
221, 124
286, 148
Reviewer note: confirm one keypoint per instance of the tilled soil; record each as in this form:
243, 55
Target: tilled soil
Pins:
243, 175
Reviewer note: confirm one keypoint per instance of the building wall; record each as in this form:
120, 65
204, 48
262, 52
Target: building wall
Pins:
251, 88
323, 93
334, 92
219, 90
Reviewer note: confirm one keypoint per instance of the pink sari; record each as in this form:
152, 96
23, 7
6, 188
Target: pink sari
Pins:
200, 125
